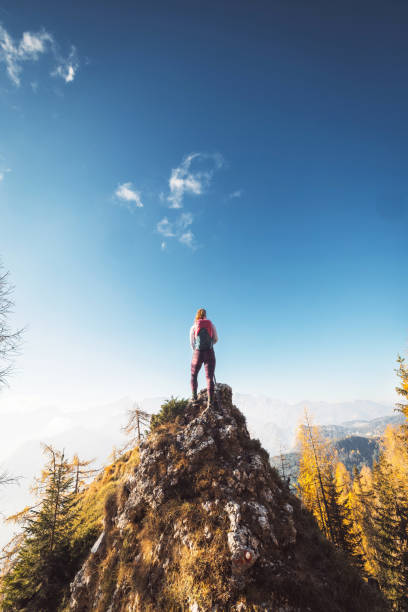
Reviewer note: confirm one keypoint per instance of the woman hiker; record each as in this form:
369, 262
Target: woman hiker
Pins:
203, 336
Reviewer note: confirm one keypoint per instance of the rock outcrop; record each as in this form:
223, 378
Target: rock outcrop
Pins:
205, 523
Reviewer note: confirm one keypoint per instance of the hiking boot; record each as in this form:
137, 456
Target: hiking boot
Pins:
194, 398
210, 402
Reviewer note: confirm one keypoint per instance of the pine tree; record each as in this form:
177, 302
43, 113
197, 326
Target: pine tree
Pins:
43, 560
390, 520
284, 469
346, 534
335, 512
81, 473
402, 373
137, 425
388, 534
361, 502
9, 340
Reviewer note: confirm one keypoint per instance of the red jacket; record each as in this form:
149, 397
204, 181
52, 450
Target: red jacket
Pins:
203, 324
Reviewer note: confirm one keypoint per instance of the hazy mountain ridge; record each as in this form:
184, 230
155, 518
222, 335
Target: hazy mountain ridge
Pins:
367, 429
274, 422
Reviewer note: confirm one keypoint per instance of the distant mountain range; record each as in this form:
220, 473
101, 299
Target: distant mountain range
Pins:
367, 429
357, 443
274, 422
356, 451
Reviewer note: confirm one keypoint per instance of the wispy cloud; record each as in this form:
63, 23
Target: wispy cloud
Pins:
188, 239
129, 196
3, 172
30, 48
178, 229
67, 68
235, 194
174, 228
33, 44
185, 220
192, 176
165, 228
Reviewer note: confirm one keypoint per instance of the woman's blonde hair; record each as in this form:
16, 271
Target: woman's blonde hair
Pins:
201, 314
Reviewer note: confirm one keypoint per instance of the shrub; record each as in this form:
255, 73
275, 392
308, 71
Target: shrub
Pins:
169, 411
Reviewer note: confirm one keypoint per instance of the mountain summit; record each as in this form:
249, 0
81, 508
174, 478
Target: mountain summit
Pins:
205, 523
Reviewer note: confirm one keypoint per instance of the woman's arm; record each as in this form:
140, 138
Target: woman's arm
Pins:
215, 335
192, 338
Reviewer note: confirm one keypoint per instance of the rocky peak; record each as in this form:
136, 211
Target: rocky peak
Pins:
205, 523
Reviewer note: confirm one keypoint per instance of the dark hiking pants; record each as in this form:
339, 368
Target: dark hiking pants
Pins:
208, 359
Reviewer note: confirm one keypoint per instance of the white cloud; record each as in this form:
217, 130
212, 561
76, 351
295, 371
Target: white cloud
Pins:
185, 220
235, 194
165, 228
66, 72
188, 239
174, 228
34, 44
192, 176
177, 229
31, 47
3, 172
127, 194
67, 68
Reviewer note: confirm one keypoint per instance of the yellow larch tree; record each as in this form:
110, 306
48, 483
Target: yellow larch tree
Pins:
315, 468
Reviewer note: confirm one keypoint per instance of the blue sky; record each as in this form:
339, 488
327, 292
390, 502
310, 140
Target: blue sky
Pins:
157, 157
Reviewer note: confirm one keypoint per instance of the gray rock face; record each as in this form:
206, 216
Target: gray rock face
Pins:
206, 462
239, 490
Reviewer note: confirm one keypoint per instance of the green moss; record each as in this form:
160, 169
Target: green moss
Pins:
169, 411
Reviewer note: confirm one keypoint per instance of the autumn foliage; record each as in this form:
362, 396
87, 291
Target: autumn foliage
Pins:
364, 514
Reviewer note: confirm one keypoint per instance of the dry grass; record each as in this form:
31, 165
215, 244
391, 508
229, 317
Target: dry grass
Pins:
197, 568
92, 501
